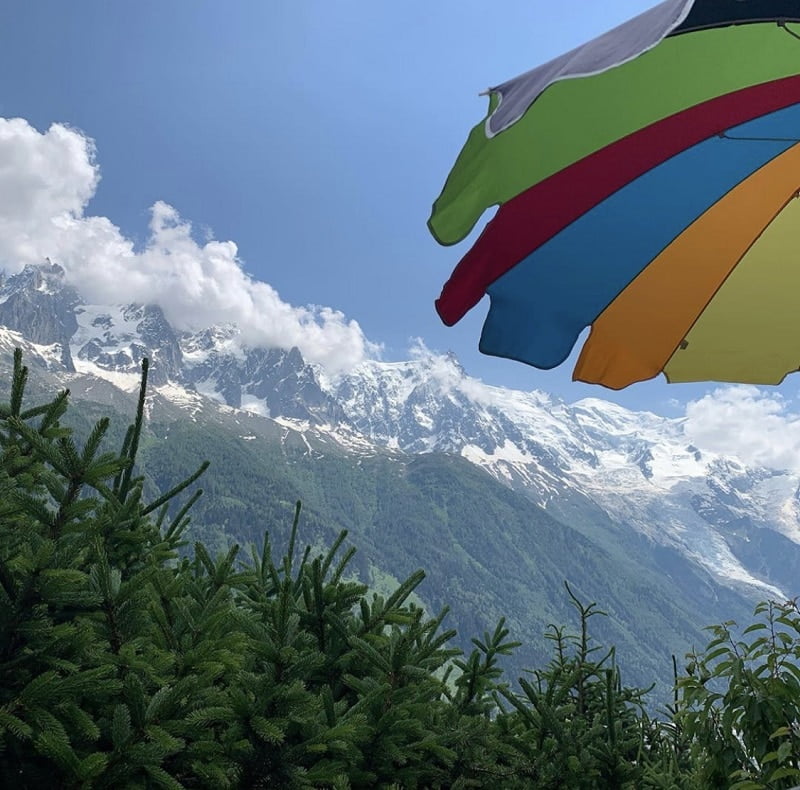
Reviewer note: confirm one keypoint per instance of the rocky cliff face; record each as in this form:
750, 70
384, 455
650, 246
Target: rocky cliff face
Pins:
40, 306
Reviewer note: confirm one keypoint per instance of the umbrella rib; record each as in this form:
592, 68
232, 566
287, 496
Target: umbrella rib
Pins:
782, 23
726, 136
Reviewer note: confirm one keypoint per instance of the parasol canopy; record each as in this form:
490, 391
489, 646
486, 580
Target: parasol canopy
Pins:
647, 186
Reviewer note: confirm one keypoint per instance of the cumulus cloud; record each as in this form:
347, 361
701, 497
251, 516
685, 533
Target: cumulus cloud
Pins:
46, 182
756, 426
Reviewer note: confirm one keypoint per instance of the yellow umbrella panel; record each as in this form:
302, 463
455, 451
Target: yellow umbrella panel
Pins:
693, 312
749, 331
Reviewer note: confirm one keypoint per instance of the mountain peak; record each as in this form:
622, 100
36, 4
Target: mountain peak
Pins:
37, 303
453, 361
47, 278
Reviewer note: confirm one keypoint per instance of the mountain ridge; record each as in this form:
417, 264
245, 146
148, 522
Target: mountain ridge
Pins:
501, 495
642, 471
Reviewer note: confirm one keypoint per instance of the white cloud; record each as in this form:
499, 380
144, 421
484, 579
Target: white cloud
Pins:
756, 426
447, 372
46, 182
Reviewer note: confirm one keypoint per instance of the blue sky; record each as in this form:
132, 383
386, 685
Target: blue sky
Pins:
315, 135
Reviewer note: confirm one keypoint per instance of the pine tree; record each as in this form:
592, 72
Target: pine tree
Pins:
130, 659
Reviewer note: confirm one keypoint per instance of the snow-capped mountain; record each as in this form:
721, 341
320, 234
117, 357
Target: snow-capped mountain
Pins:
642, 470
580, 461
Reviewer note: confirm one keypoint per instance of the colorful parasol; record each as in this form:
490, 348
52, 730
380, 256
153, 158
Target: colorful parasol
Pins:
647, 186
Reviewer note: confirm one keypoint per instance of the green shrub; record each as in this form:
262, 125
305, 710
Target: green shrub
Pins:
130, 660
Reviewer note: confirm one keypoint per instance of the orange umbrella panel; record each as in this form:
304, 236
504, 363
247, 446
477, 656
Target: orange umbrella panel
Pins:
646, 326
749, 332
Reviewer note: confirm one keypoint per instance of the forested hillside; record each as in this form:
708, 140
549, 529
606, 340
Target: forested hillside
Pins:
490, 552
